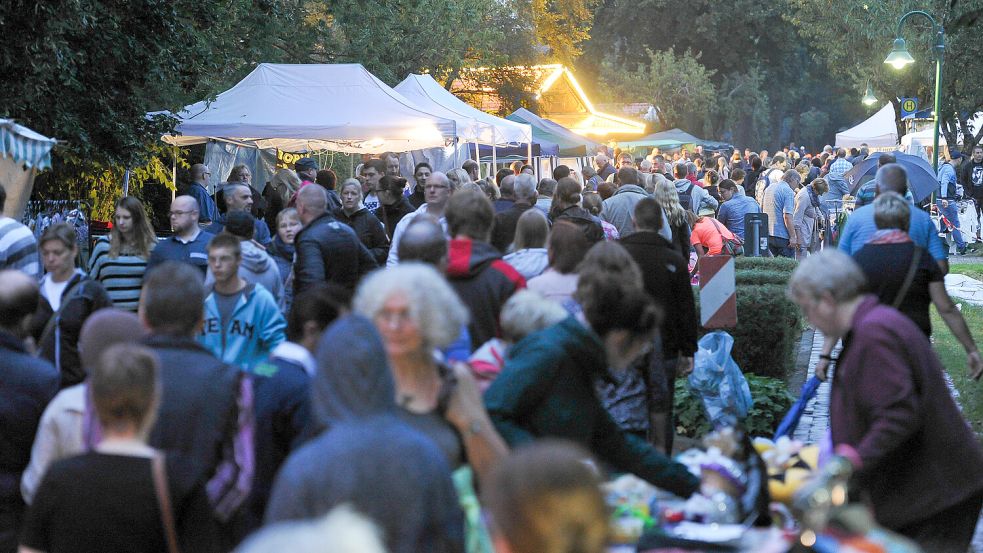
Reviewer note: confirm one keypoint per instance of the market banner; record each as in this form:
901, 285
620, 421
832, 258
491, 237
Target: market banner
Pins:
286, 160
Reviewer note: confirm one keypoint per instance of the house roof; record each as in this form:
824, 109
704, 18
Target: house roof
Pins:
560, 97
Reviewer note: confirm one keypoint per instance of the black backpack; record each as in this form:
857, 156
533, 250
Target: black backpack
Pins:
686, 198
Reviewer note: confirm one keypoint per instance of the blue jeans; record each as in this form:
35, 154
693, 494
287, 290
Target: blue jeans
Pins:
952, 214
779, 247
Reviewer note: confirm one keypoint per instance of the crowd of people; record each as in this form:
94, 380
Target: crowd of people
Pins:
414, 363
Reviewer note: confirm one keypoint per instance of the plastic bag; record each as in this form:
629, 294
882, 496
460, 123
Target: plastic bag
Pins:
718, 381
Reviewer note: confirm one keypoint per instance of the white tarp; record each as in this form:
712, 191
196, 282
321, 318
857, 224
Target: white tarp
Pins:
303, 107
879, 131
473, 125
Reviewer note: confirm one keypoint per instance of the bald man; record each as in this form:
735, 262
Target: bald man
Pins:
199, 191
327, 249
189, 243
27, 385
424, 240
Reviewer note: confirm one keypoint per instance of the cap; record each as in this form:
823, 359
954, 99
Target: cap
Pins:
305, 163
955, 154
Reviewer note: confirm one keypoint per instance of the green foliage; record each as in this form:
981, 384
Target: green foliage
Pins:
771, 401
760, 276
783, 264
678, 84
562, 26
768, 327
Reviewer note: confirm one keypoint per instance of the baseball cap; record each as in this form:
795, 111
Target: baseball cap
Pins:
305, 163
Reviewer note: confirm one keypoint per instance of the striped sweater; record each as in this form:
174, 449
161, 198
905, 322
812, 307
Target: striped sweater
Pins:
122, 277
18, 247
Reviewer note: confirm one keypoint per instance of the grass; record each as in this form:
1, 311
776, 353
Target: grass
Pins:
953, 355
974, 270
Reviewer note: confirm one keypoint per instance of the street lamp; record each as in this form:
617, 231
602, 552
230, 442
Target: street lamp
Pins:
869, 99
899, 58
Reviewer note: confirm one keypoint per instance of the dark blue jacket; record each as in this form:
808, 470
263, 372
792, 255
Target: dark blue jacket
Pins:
261, 232
207, 210
194, 252
27, 384
281, 394
329, 251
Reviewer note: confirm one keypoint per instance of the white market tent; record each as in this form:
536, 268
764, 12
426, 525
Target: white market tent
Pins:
23, 153
920, 143
879, 131
303, 107
473, 125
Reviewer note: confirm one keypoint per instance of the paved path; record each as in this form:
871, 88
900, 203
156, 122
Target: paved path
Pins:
814, 423
962, 287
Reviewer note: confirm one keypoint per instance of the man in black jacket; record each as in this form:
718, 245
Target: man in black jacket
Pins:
524, 192
327, 250
666, 279
206, 406
27, 384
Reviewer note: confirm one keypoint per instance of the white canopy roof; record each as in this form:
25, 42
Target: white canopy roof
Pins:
302, 107
473, 124
879, 131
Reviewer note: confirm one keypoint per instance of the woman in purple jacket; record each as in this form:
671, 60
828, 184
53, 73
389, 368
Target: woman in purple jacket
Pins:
914, 458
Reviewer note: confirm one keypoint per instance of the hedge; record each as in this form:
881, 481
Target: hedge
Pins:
768, 326
761, 276
771, 401
783, 264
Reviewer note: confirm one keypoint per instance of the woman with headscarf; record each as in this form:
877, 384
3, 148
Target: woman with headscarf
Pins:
365, 455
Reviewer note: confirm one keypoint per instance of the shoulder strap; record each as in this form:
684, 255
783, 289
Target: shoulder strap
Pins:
909, 278
66, 295
164, 501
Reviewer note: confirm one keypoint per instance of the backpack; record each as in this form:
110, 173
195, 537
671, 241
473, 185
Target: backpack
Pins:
686, 198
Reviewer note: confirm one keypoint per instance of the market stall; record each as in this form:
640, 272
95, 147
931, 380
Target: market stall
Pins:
572, 148
23, 153
877, 132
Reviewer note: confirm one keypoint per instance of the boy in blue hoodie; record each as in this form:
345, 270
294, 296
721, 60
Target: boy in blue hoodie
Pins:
242, 321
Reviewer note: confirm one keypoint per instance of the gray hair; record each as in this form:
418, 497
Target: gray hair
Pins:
351, 182
525, 187
527, 312
442, 179
792, 177
891, 177
434, 305
341, 531
645, 164
827, 272
891, 211
546, 187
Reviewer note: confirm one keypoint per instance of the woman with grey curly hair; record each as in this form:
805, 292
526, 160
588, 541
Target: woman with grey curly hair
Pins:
417, 312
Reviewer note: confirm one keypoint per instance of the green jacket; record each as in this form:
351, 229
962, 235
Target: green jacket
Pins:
545, 390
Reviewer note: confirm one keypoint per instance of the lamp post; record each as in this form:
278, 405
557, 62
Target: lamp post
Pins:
900, 57
869, 99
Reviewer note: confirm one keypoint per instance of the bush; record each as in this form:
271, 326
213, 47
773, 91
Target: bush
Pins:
771, 402
768, 326
783, 264
761, 276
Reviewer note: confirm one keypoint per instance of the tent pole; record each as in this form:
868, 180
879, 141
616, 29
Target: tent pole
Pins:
477, 158
173, 172
529, 150
494, 153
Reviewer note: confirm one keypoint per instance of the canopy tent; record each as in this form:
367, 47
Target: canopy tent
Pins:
878, 131
480, 127
569, 143
305, 107
23, 153
672, 138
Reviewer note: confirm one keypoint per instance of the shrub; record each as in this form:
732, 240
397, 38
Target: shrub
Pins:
771, 401
761, 276
768, 326
783, 264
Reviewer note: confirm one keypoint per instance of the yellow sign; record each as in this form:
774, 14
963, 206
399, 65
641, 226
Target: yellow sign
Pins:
908, 105
286, 160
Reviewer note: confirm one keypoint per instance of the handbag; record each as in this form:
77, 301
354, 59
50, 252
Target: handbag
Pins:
731, 246
164, 502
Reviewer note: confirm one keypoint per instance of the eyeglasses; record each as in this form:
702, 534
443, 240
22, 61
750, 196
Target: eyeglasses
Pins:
180, 213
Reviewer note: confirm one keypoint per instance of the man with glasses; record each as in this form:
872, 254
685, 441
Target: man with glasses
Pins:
188, 244
199, 191
438, 191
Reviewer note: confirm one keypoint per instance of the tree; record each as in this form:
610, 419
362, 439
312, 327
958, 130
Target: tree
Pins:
561, 26
859, 37
679, 85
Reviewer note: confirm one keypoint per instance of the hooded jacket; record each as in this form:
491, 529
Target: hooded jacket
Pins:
546, 390
530, 262
329, 251
257, 267
701, 198
484, 283
254, 329
590, 225
380, 465
392, 214
369, 229
619, 208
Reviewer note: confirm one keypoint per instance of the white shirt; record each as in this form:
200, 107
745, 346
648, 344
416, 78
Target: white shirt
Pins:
393, 258
371, 202
52, 291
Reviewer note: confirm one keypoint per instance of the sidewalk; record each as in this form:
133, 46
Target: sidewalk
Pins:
962, 287
814, 423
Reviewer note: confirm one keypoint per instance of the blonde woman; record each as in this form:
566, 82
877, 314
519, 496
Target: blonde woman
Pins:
668, 198
119, 261
458, 177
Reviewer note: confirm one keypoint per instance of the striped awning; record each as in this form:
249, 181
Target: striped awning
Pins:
24, 145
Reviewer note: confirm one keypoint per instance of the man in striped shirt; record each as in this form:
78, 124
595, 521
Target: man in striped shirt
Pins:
18, 247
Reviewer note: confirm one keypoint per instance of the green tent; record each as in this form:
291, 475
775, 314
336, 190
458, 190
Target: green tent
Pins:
570, 143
